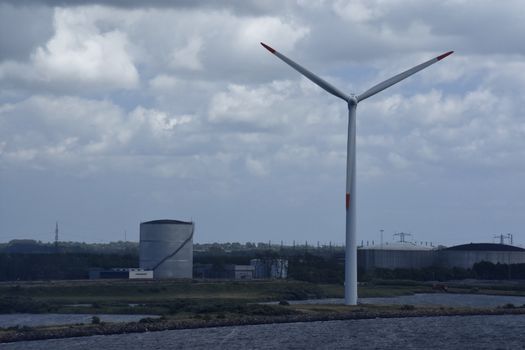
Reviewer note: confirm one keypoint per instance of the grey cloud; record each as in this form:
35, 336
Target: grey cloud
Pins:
22, 29
247, 7
484, 27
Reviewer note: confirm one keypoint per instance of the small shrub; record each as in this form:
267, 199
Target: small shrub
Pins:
265, 310
407, 307
509, 306
95, 320
19, 328
284, 303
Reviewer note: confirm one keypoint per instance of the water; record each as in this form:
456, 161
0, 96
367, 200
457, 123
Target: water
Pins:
468, 332
431, 299
33, 320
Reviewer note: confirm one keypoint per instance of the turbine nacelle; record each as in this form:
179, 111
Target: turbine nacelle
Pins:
352, 99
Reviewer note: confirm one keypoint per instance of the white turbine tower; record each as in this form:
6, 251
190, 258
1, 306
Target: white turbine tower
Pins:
352, 100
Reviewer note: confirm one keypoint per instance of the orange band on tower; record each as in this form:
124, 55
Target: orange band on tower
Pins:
347, 201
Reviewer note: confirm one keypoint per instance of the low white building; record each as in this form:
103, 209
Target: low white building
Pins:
239, 272
120, 273
136, 274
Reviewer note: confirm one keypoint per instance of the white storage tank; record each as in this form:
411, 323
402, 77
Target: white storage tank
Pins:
166, 247
466, 255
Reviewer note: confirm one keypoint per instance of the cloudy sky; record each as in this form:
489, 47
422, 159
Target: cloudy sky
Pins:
110, 116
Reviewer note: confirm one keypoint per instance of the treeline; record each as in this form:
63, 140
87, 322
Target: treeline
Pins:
316, 269
303, 266
30, 246
30, 267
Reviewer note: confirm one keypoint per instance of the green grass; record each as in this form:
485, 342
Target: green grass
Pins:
147, 290
113, 296
153, 296
163, 297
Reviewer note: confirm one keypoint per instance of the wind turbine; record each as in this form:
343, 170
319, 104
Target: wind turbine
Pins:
352, 101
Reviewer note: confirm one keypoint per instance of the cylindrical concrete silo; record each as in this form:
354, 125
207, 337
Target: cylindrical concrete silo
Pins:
166, 247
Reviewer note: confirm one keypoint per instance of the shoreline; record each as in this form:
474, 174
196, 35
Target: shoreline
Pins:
71, 331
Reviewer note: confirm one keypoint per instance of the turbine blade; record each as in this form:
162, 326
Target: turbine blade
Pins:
396, 79
319, 81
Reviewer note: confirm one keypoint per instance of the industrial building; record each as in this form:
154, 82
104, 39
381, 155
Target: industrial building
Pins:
239, 272
403, 255
258, 268
407, 255
228, 271
120, 273
166, 248
270, 268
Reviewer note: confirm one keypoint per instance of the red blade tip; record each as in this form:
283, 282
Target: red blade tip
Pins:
268, 48
444, 55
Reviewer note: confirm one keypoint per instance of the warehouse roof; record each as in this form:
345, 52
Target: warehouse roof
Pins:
486, 246
167, 221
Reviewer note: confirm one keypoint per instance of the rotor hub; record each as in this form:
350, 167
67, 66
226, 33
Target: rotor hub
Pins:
352, 99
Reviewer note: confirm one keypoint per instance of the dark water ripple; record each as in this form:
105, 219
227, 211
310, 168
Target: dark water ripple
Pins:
467, 332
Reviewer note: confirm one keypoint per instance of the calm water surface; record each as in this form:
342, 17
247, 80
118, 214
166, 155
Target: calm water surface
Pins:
469, 332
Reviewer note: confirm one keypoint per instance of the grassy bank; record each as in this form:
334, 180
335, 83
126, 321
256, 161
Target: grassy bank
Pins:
107, 295
165, 297
189, 304
271, 314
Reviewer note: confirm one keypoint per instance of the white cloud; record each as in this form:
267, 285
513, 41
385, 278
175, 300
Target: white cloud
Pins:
163, 82
398, 161
249, 106
359, 11
188, 56
72, 131
79, 52
273, 30
256, 167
